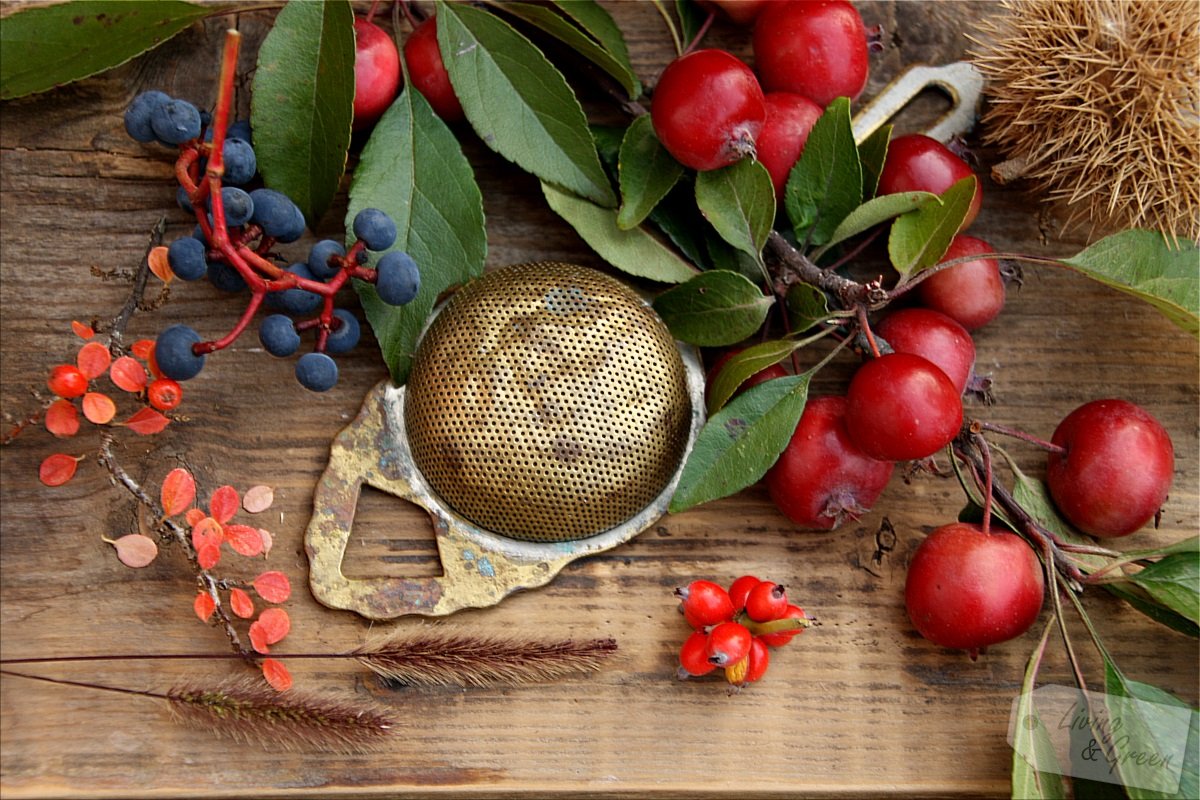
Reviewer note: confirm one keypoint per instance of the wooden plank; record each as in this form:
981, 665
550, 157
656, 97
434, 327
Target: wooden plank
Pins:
859, 706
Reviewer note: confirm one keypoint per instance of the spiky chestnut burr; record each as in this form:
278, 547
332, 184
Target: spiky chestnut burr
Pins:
1095, 103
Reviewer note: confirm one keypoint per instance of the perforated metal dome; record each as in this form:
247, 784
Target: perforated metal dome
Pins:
547, 402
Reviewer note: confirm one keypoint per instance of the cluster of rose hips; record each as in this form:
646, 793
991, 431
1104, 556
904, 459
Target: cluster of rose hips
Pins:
233, 246
731, 630
1110, 462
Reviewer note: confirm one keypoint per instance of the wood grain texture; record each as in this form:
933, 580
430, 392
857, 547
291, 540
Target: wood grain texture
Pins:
858, 706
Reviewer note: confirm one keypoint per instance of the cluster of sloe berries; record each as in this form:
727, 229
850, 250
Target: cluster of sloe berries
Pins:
732, 629
233, 247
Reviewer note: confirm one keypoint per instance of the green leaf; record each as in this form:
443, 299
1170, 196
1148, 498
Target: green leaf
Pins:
873, 212
648, 173
592, 17
1142, 602
634, 251
555, 25
1035, 769
1189, 776
1175, 583
739, 443
303, 103
1147, 728
739, 202
872, 152
740, 367
825, 185
713, 309
413, 168
1190, 545
920, 238
44, 46
807, 305
518, 103
691, 19
1032, 495
1148, 266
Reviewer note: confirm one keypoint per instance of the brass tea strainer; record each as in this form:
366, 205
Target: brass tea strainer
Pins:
547, 416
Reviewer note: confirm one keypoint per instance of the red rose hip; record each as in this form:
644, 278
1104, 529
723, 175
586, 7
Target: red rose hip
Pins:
707, 109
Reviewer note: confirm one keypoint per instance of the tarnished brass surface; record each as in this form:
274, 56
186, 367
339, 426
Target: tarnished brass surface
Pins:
571, 320
547, 402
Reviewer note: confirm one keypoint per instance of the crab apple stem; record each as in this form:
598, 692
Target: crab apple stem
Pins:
988, 479
700, 33
256, 299
1004, 430
864, 325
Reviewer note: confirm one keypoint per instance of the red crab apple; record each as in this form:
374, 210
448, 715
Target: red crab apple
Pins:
968, 589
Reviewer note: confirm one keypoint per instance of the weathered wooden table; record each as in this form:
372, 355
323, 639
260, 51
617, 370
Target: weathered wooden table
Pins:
859, 706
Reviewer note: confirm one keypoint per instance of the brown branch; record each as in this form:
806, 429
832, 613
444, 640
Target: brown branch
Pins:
795, 267
173, 532
116, 329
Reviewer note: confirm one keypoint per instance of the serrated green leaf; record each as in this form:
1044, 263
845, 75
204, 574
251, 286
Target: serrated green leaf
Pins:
825, 185
562, 29
1032, 495
1036, 775
872, 152
634, 251
738, 444
872, 213
594, 19
807, 305
518, 103
44, 46
1148, 266
743, 365
739, 202
303, 103
647, 172
413, 168
1175, 583
920, 238
1148, 728
713, 309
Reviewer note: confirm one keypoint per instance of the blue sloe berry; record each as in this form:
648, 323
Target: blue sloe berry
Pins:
397, 279
318, 258
225, 277
137, 116
188, 258
278, 216
375, 228
240, 162
345, 336
175, 122
278, 335
174, 355
316, 372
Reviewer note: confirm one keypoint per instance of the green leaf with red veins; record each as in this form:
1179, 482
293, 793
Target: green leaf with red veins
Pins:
738, 444
97, 35
563, 30
518, 103
647, 173
302, 103
739, 202
413, 168
920, 238
634, 251
1152, 268
714, 308
825, 185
